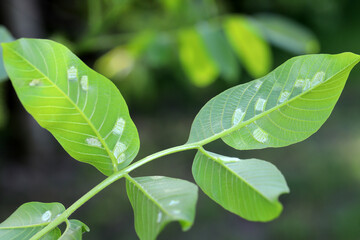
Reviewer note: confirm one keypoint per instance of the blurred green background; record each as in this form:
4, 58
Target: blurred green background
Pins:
168, 58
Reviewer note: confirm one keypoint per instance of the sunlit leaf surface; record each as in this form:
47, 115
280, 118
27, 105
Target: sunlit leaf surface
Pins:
82, 109
159, 200
286, 106
249, 44
30, 218
196, 61
249, 188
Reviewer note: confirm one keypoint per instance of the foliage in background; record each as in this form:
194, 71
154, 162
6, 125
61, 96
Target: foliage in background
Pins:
5, 36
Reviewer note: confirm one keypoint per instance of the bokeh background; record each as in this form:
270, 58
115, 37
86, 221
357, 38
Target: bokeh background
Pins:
168, 58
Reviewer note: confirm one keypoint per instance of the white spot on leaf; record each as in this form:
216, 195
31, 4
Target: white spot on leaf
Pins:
46, 216
228, 159
300, 83
318, 78
284, 96
176, 211
238, 116
119, 126
156, 177
94, 142
260, 104
35, 83
119, 150
173, 202
72, 73
159, 216
258, 85
260, 135
307, 84
84, 83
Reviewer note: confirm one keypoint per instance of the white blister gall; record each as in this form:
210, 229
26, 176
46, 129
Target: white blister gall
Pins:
174, 202
284, 96
237, 116
318, 78
159, 216
84, 82
119, 126
260, 104
119, 152
46, 216
258, 85
300, 83
35, 83
307, 84
94, 142
72, 73
260, 135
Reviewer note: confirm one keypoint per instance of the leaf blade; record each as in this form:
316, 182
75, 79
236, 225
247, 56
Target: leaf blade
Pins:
82, 109
74, 230
159, 200
30, 218
249, 188
251, 115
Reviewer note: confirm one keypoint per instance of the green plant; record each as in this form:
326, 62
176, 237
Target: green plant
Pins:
88, 116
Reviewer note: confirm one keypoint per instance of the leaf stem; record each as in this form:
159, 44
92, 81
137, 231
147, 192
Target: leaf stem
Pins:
109, 180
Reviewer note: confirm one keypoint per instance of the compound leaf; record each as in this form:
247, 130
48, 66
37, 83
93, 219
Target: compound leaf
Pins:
29, 219
249, 188
249, 44
286, 106
159, 200
82, 109
74, 230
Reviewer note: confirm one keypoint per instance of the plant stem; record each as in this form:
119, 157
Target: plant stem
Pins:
109, 180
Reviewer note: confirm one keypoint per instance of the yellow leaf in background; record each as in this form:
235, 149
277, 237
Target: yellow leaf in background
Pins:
249, 45
196, 61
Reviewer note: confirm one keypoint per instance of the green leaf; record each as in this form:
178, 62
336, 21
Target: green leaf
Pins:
220, 50
159, 200
249, 44
196, 61
81, 108
5, 36
284, 107
3, 108
287, 34
249, 188
74, 230
29, 219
